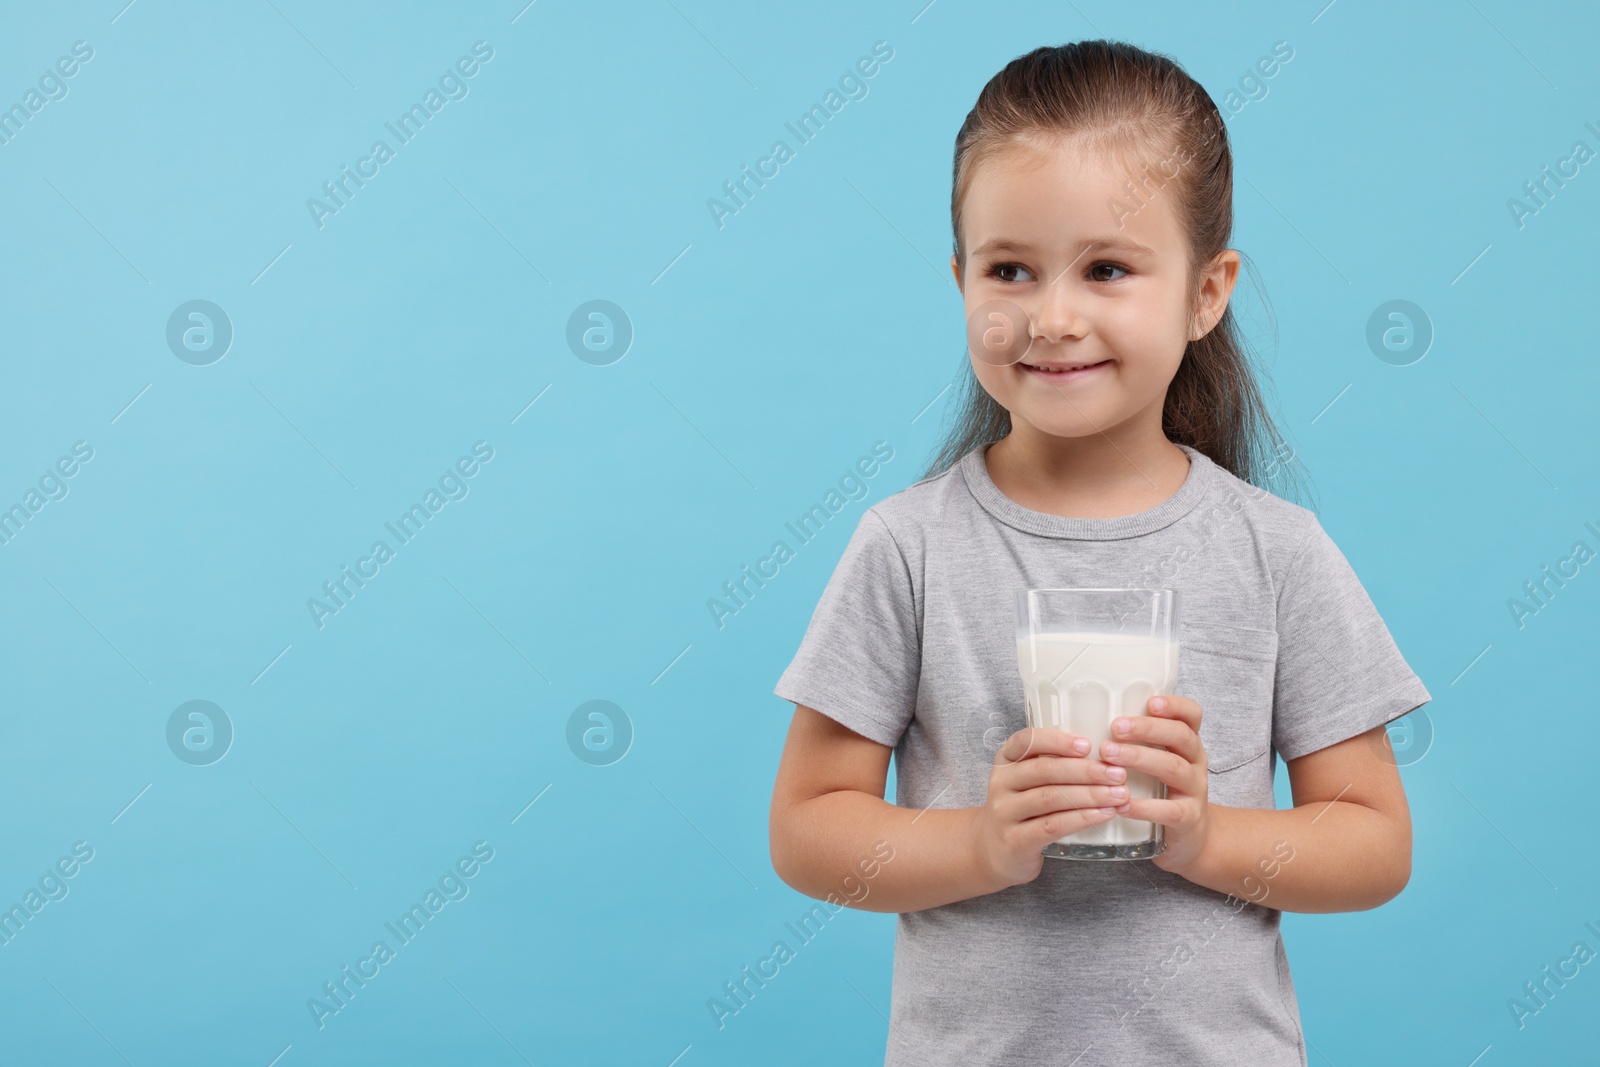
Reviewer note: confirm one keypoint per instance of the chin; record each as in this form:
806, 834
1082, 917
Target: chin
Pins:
1069, 425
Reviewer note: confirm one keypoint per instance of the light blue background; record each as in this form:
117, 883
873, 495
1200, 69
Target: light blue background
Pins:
769, 354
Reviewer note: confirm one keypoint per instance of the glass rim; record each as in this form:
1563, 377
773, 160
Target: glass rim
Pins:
1163, 605
1100, 589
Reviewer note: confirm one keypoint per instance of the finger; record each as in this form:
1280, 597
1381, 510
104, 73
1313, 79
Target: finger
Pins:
1038, 740
1169, 767
1061, 770
1149, 809
1044, 799
1172, 706
1058, 824
1174, 734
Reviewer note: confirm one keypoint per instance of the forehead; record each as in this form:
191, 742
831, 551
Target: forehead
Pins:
1063, 193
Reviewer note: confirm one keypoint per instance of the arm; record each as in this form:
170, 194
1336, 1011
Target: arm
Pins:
828, 811
1344, 846
1349, 835
1350, 829
828, 816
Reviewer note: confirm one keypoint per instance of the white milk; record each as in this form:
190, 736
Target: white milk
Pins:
1079, 682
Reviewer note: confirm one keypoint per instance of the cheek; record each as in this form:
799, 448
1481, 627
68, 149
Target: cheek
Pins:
996, 381
1158, 320
1151, 336
1153, 373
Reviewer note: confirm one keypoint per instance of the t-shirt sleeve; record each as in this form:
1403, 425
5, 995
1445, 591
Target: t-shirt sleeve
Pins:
1339, 673
861, 657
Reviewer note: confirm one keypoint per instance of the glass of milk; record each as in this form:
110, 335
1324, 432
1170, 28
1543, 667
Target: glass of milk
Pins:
1088, 656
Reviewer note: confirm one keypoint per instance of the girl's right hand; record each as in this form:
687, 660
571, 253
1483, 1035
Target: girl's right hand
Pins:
1043, 786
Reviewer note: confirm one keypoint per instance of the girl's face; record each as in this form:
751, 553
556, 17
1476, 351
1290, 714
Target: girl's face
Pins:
1098, 279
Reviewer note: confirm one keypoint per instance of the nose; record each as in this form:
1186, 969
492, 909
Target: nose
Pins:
1057, 313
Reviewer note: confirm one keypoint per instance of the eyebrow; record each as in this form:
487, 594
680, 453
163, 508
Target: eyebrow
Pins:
1103, 242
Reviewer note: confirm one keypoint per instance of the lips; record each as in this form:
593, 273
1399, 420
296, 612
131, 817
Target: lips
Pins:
1063, 370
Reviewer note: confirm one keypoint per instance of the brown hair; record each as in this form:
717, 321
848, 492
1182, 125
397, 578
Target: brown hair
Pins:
1135, 105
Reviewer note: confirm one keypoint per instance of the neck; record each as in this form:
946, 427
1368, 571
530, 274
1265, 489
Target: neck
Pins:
1097, 476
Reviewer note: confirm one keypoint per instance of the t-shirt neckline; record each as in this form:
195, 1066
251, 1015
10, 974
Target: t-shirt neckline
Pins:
1008, 511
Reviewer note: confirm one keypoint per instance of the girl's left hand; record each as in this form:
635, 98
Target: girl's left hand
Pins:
1173, 723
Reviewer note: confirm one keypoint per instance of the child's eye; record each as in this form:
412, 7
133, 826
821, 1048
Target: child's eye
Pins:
1006, 272
995, 271
1107, 266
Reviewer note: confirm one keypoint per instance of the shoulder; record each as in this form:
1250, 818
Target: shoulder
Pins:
903, 519
906, 511
1279, 528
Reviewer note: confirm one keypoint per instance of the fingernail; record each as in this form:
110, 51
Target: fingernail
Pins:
1158, 704
1116, 774
1121, 726
1120, 792
1081, 745
1110, 748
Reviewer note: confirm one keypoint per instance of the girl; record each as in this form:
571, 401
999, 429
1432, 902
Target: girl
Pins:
1115, 441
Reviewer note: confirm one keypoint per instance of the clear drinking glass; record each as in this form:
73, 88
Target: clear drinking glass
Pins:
1086, 657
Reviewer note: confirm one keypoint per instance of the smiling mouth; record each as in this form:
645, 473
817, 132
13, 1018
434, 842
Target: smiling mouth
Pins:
1062, 370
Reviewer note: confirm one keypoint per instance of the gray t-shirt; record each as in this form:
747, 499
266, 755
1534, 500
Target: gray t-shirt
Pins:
913, 644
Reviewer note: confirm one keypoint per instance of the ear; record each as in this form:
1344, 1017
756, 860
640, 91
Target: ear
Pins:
955, 268
1216, 287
